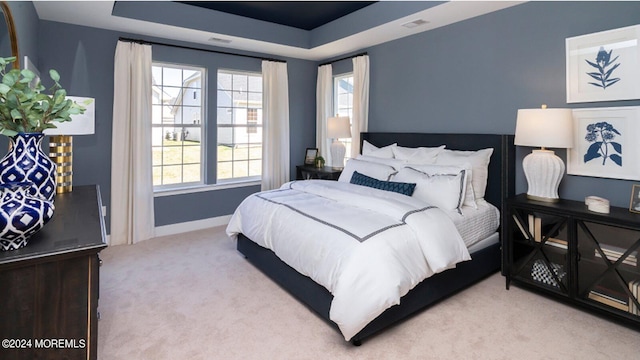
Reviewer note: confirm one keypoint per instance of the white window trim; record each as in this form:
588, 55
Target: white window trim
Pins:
205, 188
188, 187
335, 88
336, 104
232, 182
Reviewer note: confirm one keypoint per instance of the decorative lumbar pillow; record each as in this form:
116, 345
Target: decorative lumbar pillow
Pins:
445, 191
479, 161
371, 150
399, 187
374, 170
419, 155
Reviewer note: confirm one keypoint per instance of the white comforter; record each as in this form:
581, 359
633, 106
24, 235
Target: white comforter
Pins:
368, 247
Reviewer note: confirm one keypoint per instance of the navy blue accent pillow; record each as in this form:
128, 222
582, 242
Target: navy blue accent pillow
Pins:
399, 187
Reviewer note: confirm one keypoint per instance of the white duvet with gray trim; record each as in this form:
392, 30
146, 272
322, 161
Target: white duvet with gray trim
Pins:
368, 247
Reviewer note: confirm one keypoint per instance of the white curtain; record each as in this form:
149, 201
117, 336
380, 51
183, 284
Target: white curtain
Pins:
131, 176
360, 120
324, 110
275, 125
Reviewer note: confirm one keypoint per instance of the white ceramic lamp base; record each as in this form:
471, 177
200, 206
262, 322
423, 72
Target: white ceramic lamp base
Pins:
544, 171
337, 154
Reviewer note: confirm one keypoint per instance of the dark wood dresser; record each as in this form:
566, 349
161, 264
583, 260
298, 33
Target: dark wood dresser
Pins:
49, 289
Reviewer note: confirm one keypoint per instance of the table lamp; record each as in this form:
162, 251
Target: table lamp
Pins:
338, 127
61, 141
545, 128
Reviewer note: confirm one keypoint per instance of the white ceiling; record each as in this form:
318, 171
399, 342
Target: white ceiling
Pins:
98, 14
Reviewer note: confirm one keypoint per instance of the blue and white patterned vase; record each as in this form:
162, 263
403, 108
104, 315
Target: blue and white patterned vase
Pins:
26, 162
21, 215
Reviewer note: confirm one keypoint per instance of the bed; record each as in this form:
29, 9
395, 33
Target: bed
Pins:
485, 254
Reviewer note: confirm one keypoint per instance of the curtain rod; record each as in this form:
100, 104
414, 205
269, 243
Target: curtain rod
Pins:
139, 41
344, 58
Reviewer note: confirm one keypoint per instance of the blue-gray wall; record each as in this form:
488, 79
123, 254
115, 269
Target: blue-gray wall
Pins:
473, 76
84, 58
466, 77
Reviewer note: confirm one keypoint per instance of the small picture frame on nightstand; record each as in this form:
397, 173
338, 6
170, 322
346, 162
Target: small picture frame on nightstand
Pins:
310, 156
634, 203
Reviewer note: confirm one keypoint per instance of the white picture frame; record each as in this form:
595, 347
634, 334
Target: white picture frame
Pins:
616, 76
615, 157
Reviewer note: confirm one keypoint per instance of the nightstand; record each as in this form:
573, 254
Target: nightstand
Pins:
306, 172
585, 258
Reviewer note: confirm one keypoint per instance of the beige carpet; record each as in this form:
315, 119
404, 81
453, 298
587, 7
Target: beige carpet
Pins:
193, 296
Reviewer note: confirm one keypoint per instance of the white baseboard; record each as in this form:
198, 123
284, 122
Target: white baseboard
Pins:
179, 228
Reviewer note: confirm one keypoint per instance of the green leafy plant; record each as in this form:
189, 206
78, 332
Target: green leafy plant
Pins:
319, 160
24, 105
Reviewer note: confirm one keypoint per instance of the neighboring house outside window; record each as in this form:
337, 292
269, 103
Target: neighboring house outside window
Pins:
239, 118
177, 126
343, 102
252, 121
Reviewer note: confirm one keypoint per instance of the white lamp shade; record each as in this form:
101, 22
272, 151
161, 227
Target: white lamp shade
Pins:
80, 124
544, 127
338, 127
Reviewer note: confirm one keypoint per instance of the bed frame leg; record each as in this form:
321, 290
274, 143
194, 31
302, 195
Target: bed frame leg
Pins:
356, 342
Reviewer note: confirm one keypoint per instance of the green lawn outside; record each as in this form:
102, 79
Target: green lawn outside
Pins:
168, 162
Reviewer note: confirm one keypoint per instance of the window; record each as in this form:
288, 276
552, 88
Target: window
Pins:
252, 121
239, 126
177, 125
343, 102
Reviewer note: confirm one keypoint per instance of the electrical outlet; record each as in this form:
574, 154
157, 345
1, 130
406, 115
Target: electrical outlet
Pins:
104, 210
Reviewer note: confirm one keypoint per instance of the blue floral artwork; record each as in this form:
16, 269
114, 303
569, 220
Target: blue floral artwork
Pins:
605, 69
602, 134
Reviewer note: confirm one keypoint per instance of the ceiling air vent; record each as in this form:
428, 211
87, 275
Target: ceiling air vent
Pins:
415, 23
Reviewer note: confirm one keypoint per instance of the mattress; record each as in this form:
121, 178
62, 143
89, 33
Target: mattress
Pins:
475, 225
484, 243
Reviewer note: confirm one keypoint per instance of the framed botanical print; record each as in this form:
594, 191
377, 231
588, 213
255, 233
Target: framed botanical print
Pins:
606, 143
604, 66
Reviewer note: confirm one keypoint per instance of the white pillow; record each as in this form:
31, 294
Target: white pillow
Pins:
479, 161
395, 163
374, 170
469, 195
419, 155
445, 191
372, 150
